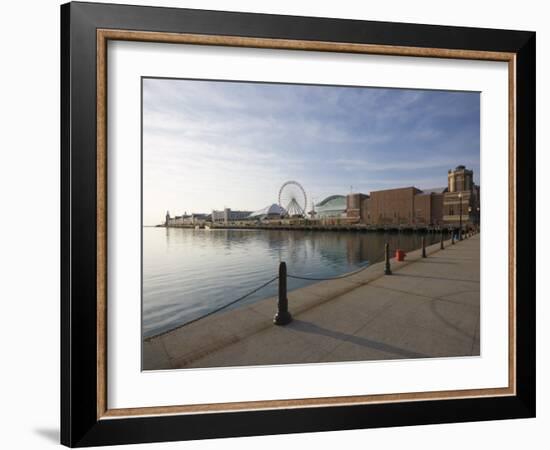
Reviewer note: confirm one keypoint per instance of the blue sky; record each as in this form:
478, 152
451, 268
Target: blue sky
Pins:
210, 144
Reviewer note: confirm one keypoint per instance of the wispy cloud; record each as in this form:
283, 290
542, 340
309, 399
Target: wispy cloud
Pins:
399, 165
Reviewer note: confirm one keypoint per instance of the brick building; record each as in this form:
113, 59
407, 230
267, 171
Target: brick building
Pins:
355, 205
409, 206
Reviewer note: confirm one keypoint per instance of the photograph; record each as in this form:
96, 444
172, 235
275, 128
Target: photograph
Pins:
307, 224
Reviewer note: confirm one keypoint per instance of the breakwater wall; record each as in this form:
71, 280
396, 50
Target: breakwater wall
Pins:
327, 227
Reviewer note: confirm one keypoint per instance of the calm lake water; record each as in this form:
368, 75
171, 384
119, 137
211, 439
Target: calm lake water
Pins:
187, 273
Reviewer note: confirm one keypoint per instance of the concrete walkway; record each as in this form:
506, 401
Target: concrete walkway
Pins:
429, 307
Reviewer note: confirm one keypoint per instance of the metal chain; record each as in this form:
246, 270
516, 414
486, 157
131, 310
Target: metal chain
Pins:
227, 305
298, 277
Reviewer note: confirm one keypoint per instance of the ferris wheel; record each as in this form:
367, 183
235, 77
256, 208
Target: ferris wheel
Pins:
292, 197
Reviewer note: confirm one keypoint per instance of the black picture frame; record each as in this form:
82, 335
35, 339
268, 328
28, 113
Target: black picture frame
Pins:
80, 425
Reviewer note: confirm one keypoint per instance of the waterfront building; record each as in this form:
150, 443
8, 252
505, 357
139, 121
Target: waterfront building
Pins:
227, 215
333, 206
390, 207
461, 201
199, 218
410, 206
186, 219
273, 212
177, 220
354, 205
407, 206
428, 207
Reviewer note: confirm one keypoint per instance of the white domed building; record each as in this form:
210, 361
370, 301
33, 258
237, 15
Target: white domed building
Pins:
273, 212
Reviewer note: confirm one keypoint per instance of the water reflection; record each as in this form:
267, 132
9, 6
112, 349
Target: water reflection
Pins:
187, 272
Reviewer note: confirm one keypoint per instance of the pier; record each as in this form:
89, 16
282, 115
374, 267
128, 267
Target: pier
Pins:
428, 307
356, 227
339, 227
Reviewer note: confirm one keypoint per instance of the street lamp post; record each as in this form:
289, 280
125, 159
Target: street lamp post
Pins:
460, 226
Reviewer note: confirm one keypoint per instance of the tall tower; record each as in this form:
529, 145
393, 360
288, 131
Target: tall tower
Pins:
460, 179
461, 201
167, 218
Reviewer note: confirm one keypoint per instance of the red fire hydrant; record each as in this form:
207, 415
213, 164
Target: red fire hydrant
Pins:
400, 255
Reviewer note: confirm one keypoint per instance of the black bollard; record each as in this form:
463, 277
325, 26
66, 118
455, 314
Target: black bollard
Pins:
423, 247
282, 317
453, 238
387, 269
441, 246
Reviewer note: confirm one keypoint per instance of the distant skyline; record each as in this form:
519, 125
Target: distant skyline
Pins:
214, 144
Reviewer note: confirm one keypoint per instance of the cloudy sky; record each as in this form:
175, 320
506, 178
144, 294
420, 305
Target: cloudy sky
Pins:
210, 144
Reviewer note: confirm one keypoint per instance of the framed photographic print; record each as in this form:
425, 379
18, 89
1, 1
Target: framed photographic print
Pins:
277, 224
